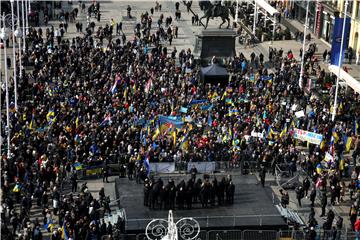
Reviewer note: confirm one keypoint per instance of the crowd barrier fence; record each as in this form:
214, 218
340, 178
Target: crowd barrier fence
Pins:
258, 235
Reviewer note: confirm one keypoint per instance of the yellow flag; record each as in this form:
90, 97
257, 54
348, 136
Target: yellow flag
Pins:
77, 122
157, 133
348, 144
174, 137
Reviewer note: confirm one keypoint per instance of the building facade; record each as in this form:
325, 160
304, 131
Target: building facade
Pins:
322, 16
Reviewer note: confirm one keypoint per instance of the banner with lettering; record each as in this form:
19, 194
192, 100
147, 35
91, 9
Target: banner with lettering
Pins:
311, 137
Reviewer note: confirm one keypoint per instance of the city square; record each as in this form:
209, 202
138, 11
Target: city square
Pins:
180, 119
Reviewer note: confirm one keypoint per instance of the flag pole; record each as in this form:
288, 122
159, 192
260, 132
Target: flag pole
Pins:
303, 46
4, 36
340, 62
14, 53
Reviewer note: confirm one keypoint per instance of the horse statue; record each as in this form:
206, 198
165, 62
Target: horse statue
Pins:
223, 10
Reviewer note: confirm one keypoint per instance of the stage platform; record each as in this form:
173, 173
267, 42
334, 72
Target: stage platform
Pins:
252, 208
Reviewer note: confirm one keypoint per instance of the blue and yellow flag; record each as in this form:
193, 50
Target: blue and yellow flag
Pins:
356, 127
174, 136
64, 234
49, 225
78, 166
347, 142
335, 135
284, 131
50, 115
17, 188
32, 123
157, 132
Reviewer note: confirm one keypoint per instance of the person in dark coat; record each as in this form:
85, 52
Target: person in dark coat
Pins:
323, 203
103, 228
118, 28
189, 196
73, 180
262, 176
105, 172
284, 198
306, 186
163, 195
146, 192
172, 196
221, 192
312, 196
299, 194
230, 192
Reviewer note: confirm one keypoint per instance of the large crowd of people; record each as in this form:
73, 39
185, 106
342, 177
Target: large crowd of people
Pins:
137, 101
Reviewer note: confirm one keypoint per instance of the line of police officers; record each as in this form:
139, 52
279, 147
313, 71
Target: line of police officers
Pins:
158, 195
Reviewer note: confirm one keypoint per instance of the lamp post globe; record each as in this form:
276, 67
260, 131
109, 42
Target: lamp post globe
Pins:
4, 34
18, 33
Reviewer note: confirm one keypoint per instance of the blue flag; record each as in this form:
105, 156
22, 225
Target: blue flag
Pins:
336, 40
147, 165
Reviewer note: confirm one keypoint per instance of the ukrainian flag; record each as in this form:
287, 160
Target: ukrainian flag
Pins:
322, 145
185, 142
347, 142
284, 131
157, 133
50, 115
230, 133
335, 135
356, 127
64, 234
78, 166
174, 136
93, 170
229, 101
319, 168
31, 125
270, 132
17, 188
48, 225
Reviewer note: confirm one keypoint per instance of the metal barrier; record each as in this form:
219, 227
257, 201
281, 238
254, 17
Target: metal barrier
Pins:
223, 235
141, 237
292, 235
203, 235
210, 222
350, 235
259, 235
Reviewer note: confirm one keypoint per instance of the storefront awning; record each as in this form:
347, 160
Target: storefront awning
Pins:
267, 7
350, 81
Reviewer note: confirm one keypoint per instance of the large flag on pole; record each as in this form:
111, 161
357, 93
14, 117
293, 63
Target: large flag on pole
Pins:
336, 40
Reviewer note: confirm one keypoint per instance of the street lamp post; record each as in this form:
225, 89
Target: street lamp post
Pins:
255, 18
340, 62
14, 53
18, 35
161, 229
237, 11
4, 36
273, 30
23, 12
27, 16
303, 46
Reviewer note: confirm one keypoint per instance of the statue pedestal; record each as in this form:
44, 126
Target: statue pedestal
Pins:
215, 42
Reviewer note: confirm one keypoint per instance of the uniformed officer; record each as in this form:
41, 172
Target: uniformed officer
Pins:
146, 192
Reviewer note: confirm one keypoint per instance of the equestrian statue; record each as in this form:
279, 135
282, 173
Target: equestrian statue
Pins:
222, 9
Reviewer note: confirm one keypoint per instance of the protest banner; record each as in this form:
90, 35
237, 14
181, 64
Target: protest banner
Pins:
311, 137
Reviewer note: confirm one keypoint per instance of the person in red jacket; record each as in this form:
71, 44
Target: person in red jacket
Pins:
357, 228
